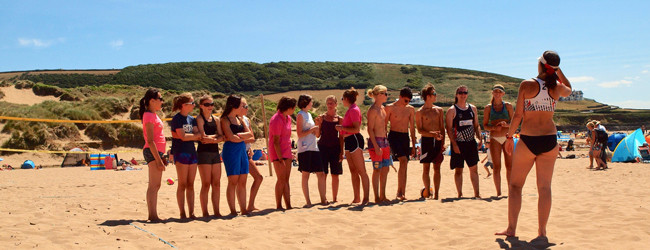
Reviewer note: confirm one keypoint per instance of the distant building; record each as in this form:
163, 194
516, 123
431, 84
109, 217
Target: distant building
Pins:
576, 95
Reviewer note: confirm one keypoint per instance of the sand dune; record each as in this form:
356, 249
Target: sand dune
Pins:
78, 208
24, 96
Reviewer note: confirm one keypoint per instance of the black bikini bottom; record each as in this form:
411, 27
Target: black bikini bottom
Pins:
539, 144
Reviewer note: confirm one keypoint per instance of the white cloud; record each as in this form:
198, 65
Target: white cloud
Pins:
581, 79
38, 43
645, 71
615, 84
117, 44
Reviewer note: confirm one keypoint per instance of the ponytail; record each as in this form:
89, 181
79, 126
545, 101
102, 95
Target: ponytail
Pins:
550, 61
151, 93
143, 108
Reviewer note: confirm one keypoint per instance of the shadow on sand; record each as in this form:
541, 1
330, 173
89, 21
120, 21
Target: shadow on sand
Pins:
513, 243
491, 199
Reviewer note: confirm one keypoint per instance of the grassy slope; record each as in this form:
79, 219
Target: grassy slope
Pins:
446, 80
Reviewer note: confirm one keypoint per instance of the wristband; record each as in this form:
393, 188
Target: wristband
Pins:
508, 137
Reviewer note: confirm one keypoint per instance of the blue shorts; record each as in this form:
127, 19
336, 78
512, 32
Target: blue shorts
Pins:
235, 158
186, 158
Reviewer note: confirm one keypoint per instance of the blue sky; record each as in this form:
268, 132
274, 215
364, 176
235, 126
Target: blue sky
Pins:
604, 46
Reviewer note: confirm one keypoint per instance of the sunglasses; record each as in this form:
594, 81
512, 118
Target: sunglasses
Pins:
462, 92
211, 104
245, 106
382, 93
188, 103
407, 100
434, 94
158, 98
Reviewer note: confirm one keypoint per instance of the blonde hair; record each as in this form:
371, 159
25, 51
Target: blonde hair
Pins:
332, 97
591, 124
372, 93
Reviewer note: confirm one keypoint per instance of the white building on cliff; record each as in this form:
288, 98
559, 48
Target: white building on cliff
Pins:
576, 95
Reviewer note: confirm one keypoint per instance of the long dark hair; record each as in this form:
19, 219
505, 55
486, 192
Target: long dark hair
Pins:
232, 102
552, 60
151, 93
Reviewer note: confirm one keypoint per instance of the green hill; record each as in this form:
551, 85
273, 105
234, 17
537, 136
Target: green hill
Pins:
254, 78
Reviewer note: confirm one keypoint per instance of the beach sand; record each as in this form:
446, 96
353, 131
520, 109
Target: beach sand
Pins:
74, 208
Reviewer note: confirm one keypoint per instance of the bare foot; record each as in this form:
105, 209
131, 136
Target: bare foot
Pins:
217, 215
252, 209
334, 201
206, 215
289, 207
377, 200
154, 218
192, 217
245, 213
365, 202
279, 208
233, 214
354, 202
308, 205
435, 197
324, 203
507, 232
590, 167
183, 216
488, 176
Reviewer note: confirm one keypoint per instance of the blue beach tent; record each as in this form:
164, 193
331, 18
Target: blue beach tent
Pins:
614, 139
628, 148
28, 164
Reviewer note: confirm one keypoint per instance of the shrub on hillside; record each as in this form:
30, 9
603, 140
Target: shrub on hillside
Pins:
2, 94
46, 90
24, 84
4, 83
70, 96
81, 114
129, 135
107, 107
104, 132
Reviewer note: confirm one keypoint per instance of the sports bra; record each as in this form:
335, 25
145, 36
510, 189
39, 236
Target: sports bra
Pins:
501, 115
542, 101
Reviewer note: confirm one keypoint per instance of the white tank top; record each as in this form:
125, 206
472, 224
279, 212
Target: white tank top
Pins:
542, 101
308, 142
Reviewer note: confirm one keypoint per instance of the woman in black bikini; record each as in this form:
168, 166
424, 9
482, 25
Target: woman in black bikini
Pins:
534, 111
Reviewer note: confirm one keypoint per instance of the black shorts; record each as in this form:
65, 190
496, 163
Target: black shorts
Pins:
309, 161
330, 159
468, 154
148, 156
399, 144
431, 148
354, 142
209, 158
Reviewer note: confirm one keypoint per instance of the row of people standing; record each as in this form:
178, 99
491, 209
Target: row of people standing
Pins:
536, 98
233, 128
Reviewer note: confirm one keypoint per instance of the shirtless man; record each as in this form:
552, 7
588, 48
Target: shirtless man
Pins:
430, 124
377, 142
401, 115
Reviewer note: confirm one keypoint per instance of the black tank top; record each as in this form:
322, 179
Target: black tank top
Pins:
464, 123
210, 128
329, 136
236, 128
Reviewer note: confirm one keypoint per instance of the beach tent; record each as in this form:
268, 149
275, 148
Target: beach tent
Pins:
28, 164
76, 159
628, 148
614, 139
